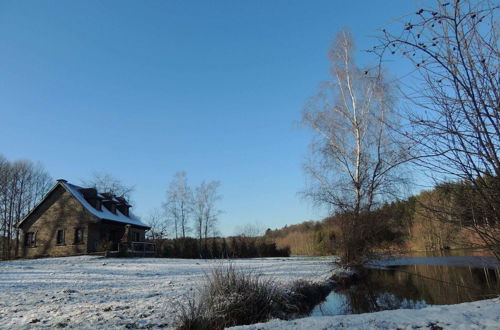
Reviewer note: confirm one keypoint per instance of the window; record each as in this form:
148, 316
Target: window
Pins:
123, 209
78, 235
98, 205
110, 206
60, 237
29, 239
137, 237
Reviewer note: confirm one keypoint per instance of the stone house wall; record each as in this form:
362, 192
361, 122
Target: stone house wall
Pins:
59, 211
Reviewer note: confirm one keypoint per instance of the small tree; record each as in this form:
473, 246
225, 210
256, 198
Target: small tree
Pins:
159, 224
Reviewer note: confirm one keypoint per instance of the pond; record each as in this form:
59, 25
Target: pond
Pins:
416, 281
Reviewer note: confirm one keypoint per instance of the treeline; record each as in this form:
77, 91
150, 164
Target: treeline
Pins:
445, 217
22, 185
216, 248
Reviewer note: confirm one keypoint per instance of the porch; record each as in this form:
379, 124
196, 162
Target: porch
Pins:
142, 248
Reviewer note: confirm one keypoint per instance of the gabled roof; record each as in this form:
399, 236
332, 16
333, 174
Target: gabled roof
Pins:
103, 213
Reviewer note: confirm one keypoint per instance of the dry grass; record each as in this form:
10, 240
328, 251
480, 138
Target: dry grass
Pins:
231, 297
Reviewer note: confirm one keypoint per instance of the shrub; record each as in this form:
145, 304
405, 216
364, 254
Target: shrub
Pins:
232, 297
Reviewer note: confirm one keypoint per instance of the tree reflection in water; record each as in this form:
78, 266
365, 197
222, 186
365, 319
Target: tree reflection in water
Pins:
414, 286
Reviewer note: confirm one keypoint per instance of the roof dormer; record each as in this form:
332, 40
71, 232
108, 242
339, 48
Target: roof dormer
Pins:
92, 197
110, 205
122, 205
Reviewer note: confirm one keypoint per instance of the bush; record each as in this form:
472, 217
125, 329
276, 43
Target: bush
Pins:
231, 298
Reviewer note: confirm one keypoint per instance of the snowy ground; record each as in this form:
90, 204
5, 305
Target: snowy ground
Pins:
96, 293
475, 315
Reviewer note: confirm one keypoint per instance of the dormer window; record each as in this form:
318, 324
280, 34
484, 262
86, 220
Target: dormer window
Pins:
110, 206
92, 197
123, 209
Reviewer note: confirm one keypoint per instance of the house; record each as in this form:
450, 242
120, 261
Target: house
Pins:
71, 220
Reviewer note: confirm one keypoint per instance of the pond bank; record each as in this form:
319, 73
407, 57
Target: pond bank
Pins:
484, 314
409, 287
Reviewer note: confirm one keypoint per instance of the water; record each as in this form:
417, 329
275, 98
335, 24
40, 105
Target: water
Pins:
416, 282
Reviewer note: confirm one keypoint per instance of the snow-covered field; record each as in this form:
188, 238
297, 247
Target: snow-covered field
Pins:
98, 293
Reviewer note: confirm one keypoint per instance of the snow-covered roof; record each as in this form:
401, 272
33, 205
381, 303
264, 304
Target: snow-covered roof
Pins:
103, 213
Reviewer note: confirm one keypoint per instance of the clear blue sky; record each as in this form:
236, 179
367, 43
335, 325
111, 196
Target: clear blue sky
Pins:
142, 89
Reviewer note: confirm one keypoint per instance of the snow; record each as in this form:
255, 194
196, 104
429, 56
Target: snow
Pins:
94, 292
104, 213
483, 314
100, 293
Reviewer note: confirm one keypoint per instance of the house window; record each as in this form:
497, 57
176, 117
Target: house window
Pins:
98, 205
137, 237
60, 237
29, 239
78, 235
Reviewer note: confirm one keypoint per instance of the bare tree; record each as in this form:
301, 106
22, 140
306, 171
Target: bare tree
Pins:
41, 184
159, 224
354, 158
250, 230
22, 186
204, 209
105, 182
453, 90
178, 206
5, 204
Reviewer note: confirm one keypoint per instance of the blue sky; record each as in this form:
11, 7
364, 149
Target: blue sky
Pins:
142, 89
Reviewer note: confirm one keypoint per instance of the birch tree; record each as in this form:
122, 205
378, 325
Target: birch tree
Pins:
354, 159
204, 209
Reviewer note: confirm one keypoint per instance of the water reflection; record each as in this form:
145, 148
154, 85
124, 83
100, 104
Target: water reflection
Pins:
414, 286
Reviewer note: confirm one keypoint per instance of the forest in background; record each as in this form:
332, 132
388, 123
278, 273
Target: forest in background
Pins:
438, 219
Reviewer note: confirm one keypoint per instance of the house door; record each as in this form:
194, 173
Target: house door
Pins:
114, 238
